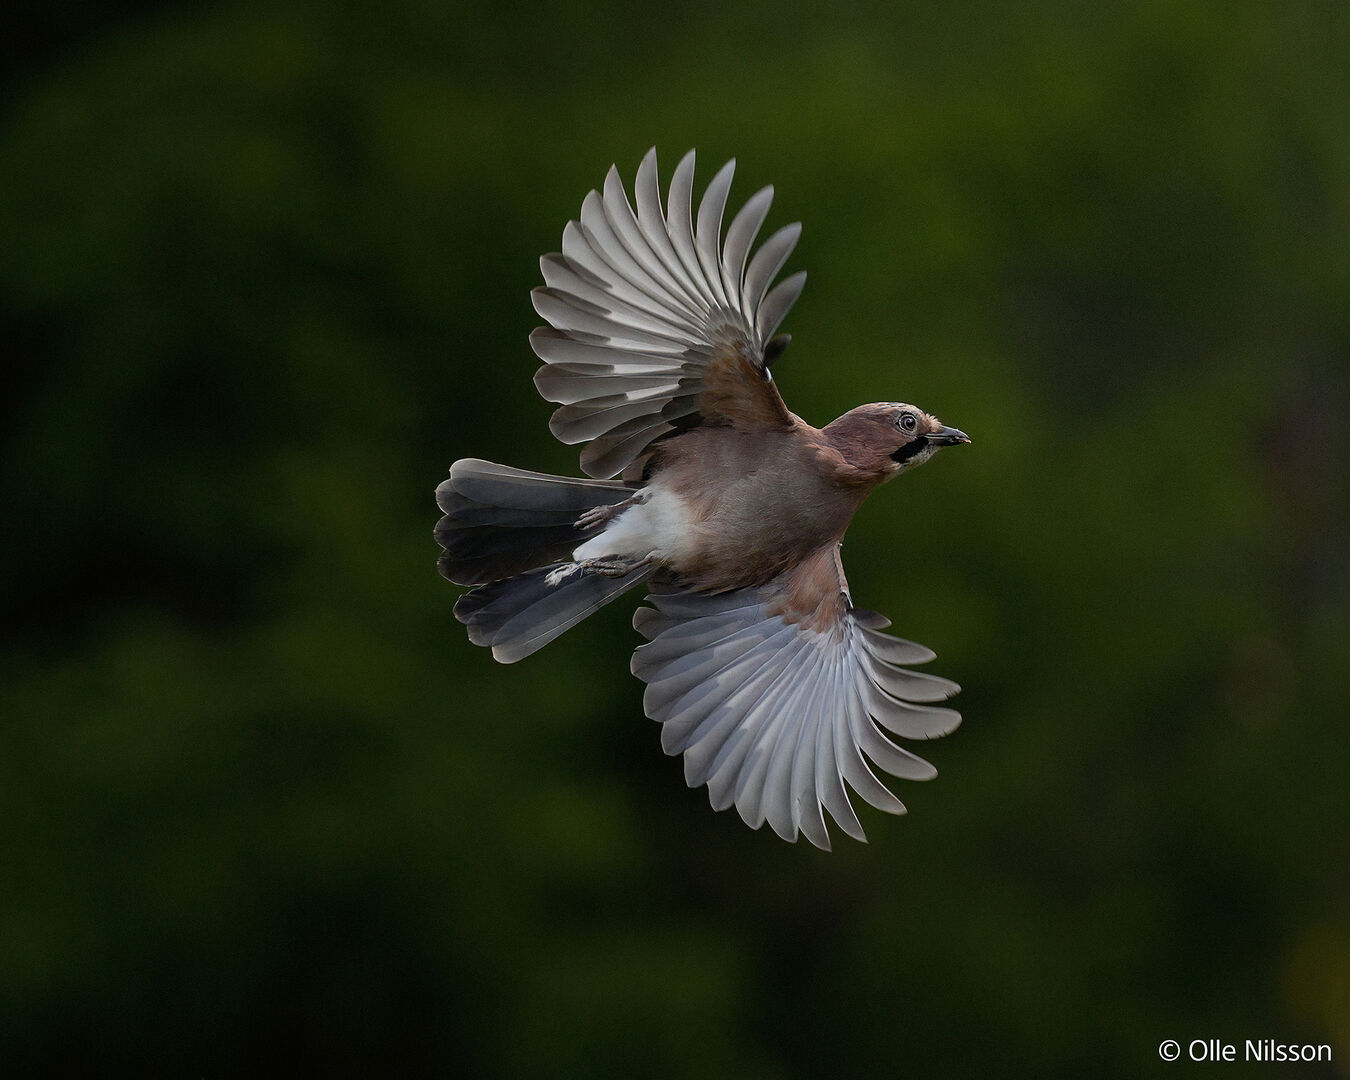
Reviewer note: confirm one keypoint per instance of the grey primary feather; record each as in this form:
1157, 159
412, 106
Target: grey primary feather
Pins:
612, 453
909, 685
571, 385
764, 267
893, 650
907, 720
652, 222
829, 777
858, 735
733, 727
741, 235
715, 690
778, 719
679, 222
576, 350
761, 791
777, 304
718, 749
564, 309
804, 799
635, 296
595, 296
613, 254
707, 235
666, 289
700, 671
581, 423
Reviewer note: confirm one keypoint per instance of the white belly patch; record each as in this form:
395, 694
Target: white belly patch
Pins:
659, 527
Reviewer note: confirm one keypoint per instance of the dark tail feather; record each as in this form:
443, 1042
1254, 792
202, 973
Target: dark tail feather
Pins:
500, 521
523, 614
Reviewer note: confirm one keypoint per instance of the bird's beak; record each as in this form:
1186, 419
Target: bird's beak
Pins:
948, 436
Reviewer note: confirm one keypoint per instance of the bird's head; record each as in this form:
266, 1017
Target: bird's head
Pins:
884, 439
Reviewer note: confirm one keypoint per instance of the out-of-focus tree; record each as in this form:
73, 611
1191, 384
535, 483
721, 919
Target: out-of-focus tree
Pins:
265, 274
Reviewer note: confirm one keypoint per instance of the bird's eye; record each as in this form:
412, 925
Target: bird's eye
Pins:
908, 421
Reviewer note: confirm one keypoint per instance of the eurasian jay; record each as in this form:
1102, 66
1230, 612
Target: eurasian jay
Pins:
762, 673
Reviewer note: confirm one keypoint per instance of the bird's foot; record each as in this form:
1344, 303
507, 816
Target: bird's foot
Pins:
603, 515
611, 567
559, 574
601, 567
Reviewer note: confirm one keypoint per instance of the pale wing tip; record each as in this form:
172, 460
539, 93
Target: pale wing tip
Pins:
444, 490
538, 296
472, 466
940, 722
952, 722
789, 834
921, 771
644, 618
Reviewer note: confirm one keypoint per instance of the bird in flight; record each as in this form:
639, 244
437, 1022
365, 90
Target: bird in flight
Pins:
779, 693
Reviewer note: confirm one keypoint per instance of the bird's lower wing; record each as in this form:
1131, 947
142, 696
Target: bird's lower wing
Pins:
778, 703
655, 323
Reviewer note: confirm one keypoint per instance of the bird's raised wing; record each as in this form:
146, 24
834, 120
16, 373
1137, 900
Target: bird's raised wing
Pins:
656, 323
777, 696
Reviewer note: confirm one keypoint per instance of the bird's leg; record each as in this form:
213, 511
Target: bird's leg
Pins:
603, 515
616, 567
612, 567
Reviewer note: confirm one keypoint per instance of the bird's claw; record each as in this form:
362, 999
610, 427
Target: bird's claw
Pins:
602, 515
612, 567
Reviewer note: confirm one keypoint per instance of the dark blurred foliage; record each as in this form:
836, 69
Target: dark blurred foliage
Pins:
265, 274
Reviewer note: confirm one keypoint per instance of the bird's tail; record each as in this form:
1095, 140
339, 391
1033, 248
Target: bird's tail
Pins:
500, 521
522, 614
512, 532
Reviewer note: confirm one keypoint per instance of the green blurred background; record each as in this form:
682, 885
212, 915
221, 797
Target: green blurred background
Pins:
264, 275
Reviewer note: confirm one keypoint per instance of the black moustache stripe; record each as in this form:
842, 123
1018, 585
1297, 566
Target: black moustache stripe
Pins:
910, 449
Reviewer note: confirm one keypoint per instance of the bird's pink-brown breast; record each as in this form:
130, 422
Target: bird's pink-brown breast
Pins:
759, 502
